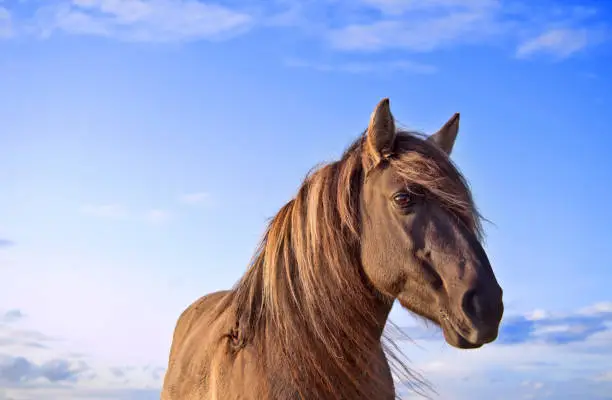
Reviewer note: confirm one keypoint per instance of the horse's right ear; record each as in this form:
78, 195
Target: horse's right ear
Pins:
446, 136
380, 136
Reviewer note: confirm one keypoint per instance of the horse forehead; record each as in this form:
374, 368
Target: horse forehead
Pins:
387, 181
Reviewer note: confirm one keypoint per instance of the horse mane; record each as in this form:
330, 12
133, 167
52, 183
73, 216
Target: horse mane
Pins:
305, 303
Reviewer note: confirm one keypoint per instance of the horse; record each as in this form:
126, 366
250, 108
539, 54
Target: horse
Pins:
392, 219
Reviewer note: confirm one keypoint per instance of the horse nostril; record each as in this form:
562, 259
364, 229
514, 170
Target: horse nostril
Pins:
481, 307
472, 304
484, 312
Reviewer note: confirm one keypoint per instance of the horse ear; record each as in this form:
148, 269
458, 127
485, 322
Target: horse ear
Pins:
445, 137
381, 132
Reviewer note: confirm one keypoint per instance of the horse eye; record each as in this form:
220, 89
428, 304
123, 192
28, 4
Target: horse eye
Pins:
403, 199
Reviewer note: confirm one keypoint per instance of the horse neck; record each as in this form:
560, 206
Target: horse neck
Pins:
383, 306
372, 374
296, 359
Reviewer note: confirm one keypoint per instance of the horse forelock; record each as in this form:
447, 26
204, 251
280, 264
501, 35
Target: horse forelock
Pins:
420, 162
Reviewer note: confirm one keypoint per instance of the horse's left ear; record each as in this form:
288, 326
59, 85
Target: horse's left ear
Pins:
381, 132
445, 137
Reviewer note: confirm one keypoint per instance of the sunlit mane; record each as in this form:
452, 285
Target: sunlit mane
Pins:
305, 292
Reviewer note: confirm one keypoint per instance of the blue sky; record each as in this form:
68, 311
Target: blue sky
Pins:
144, 144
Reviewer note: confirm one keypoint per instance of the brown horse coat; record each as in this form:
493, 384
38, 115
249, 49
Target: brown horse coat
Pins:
392, 219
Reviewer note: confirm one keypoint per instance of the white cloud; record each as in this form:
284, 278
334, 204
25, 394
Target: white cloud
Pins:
419, 35
396, 7
116, 211
514, 371
158, 216
71, 377
528, 28
11, 316
119, 212
364, 66
6, 243
604, 377
598, 308
557, 42
532, 358
195, 198
506, 371
143, 20
431, 25
34, 365
419, 26
537, 315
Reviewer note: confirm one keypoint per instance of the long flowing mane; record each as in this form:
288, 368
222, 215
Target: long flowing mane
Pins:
305, 303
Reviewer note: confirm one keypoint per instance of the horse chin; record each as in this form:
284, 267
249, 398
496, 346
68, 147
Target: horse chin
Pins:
451, 334
454, 338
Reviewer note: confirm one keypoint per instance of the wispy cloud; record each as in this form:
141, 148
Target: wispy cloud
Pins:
534, 367
6, 243
13, 336
30, 372
604, 377
367, 26
397, 7
140, 20
11, 316
560, 43
157, 216
540, 354
364, 66
19, 370
422, 28
541, 327
558, 329
560, 356
117, 211
347, 26
603, 307
120, 212
195, 198
431, 25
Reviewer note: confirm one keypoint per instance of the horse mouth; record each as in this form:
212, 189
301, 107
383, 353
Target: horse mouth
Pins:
454, 334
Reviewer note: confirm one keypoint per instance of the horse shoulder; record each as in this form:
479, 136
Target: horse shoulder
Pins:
203, 365
189, 353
